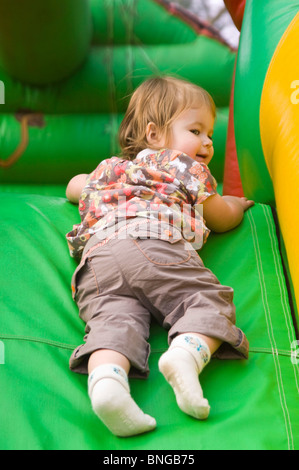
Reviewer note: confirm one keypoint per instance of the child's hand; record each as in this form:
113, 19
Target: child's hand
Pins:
242, 201
223, 213
246, 203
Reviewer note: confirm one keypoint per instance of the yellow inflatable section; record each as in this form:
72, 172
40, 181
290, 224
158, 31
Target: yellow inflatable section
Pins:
279, 126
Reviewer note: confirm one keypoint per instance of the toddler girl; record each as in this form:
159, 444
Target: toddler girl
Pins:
143, 218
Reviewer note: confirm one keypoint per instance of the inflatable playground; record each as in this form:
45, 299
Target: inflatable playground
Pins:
66, 72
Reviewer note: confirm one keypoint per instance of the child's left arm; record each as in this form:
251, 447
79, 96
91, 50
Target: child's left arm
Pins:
223, 213
75, 187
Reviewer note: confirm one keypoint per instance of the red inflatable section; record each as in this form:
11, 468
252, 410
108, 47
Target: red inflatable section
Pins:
232, 184
236, 10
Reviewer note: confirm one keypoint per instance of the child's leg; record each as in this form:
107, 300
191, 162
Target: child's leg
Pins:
110, 394
181, 365
108, 356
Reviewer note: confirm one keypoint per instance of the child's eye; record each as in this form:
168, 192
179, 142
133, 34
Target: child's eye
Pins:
211, 137
195, 131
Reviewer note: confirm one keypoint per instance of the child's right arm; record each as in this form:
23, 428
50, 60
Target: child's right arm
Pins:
223, 213
75, 187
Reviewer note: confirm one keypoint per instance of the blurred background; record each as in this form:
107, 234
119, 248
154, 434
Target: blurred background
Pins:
214, 12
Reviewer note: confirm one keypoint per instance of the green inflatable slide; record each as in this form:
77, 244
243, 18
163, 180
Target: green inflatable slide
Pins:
67, 70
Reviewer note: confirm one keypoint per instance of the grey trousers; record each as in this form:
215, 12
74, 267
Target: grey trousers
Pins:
125, 282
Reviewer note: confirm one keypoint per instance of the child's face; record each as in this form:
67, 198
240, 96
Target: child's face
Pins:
192, 132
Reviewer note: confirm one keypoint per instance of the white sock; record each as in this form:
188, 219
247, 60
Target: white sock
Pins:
181, 365
109, 392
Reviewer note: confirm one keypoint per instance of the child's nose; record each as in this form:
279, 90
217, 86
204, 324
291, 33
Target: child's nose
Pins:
206, 141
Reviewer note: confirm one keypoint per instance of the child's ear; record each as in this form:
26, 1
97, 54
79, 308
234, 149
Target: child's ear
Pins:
153, 135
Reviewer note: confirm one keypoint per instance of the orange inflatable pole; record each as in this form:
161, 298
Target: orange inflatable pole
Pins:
236, 9
232, 184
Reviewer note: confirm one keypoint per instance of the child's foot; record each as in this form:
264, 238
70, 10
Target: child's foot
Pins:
181, 365
111, 401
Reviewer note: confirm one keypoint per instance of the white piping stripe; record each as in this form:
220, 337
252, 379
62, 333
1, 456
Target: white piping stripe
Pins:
271, 333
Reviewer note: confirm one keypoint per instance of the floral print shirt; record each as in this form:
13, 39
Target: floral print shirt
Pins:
165, 187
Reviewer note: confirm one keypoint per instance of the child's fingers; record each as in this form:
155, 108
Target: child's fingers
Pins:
247, 202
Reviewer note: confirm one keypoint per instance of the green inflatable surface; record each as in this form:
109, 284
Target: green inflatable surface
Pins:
45, 406
254, 403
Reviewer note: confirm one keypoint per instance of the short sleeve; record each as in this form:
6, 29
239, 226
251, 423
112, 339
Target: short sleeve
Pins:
196, 178
207, 183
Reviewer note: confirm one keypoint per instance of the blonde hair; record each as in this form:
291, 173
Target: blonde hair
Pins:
160, 100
